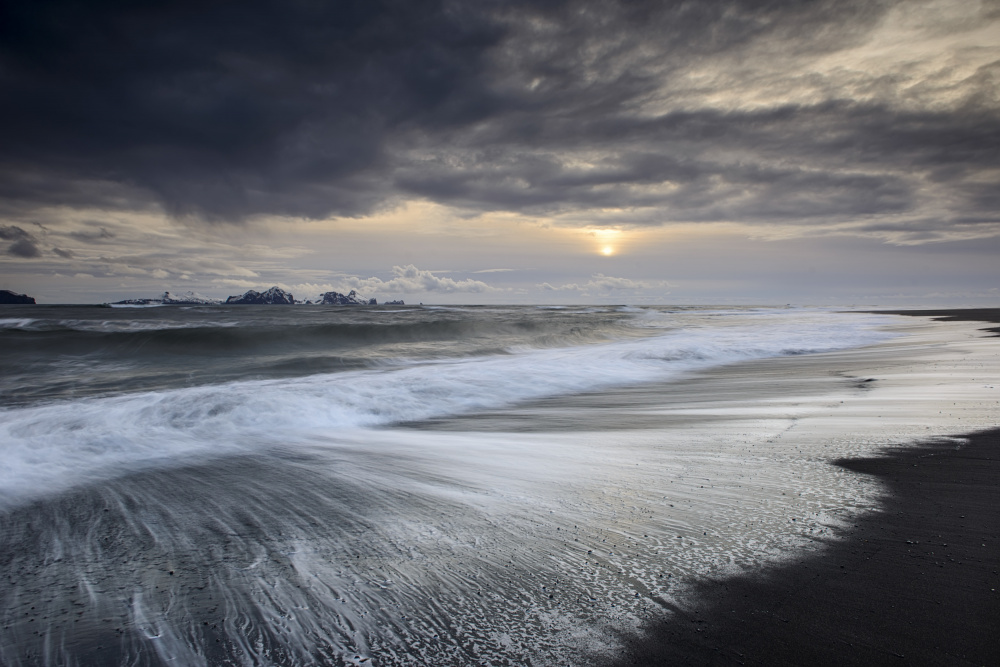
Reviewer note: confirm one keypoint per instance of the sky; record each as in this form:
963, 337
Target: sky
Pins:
720, 151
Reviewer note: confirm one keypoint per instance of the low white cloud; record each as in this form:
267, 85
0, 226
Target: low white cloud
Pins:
602, 284
411, 280
306, 290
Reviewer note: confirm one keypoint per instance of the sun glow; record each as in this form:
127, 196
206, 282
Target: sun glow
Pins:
606, 239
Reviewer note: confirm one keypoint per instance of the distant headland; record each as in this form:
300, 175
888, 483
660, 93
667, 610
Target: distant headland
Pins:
8, 297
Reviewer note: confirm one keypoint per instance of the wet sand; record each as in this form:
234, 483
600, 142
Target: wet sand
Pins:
957, 315
914, 583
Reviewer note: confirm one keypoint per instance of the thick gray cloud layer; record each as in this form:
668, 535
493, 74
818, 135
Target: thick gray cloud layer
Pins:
672, 111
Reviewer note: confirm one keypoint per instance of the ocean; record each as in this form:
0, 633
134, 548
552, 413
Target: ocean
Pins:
298, 485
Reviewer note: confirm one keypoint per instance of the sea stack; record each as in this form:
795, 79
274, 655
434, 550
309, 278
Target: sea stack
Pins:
8, 297
273, 296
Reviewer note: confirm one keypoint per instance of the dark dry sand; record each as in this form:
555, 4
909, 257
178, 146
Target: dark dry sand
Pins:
915, 583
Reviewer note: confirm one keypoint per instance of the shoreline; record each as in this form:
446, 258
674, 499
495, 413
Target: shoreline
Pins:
913, 583
990, 315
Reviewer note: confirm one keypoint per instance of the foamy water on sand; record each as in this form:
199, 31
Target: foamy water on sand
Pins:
477, 486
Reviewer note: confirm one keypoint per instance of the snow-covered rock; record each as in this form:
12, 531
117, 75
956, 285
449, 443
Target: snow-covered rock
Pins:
189, 297
167, 299
352, 298
275, 295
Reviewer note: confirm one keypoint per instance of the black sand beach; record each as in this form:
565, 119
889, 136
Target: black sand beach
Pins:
915, 583
286, 523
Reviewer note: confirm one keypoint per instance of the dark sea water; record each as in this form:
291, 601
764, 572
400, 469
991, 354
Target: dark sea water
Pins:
296, 485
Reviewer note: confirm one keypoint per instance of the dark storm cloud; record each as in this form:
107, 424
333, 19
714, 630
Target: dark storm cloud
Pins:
24, 248
837, 160
14, 233
98, 236
24, 243
224, 110
227, 108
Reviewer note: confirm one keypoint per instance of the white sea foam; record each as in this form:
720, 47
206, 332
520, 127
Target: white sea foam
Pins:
136, 305
109, 326
53, 447
16, 322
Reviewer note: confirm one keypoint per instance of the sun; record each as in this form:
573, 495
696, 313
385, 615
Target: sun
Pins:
606, 240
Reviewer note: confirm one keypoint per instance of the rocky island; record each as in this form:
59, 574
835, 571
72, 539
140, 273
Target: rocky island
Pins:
13, 298
273, 296
352, 298
168, 299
